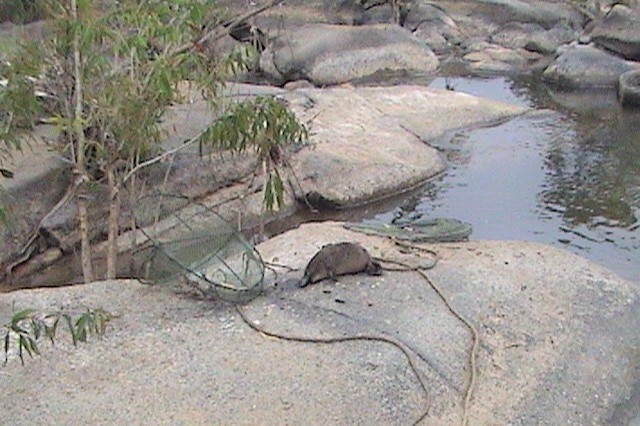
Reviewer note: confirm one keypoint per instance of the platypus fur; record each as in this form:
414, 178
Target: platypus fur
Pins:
339, 259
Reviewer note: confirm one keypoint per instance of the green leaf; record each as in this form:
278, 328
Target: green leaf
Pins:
6, 346
81, 328
268, 194
6, 173
33, 346
72, 330
21, 315
279, 189
50, 330
164, 86
36, 328
25, 343
20, 350
18, 329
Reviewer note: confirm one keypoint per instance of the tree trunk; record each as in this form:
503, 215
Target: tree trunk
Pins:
395, 7
85, 244
114, 214
78, 131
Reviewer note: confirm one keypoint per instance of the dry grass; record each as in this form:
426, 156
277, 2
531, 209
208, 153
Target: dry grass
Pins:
11, 35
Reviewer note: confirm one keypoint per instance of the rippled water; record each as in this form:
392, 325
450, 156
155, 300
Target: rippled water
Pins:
569, 177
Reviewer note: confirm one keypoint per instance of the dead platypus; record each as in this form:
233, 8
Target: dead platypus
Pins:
339, 259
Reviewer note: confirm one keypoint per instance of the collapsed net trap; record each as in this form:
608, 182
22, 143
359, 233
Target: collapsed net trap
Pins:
188, 240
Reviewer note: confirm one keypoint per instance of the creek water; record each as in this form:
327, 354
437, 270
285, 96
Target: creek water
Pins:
568, 176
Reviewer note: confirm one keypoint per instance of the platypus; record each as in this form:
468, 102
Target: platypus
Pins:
339, 259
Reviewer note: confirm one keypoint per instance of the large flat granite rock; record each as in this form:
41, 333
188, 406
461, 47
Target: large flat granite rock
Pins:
558, 344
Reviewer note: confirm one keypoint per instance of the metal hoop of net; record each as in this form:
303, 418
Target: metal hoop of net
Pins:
192, 241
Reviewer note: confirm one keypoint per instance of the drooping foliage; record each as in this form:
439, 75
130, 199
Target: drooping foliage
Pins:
106, 75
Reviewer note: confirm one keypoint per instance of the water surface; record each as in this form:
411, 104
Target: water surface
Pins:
569, 177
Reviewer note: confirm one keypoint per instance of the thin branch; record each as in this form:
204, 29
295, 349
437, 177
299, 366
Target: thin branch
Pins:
162, 156
216, 34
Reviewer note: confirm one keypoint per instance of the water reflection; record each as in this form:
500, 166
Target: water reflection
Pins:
570, 178
591, 181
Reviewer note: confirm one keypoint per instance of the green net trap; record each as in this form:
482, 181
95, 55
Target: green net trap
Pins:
190, 241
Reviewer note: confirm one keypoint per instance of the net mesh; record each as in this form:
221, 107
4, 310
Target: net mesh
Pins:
191, 241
